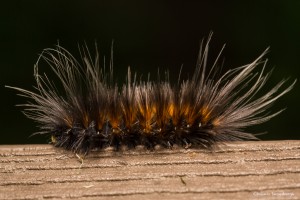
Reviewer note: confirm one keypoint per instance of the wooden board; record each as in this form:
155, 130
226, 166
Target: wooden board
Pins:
239, 170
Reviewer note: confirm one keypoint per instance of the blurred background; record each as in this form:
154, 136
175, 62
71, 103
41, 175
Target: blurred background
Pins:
149, 35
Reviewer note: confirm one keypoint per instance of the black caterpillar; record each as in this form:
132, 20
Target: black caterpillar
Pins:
92, 112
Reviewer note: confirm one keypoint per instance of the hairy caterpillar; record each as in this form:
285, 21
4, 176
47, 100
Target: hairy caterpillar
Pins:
92, 112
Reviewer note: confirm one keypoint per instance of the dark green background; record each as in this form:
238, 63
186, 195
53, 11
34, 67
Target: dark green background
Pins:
147, 35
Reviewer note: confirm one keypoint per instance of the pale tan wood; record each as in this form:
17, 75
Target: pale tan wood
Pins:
238, 170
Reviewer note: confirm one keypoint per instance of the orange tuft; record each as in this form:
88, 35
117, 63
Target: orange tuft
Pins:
85, 120
205, 113
216, 122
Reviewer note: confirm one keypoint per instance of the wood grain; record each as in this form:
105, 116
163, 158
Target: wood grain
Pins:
239, 170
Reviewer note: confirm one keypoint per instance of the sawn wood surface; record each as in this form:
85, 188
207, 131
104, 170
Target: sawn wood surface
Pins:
238, 170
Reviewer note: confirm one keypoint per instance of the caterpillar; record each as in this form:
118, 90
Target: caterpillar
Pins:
91, 112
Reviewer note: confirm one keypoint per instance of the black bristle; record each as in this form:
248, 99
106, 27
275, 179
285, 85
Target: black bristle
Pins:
92, 112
